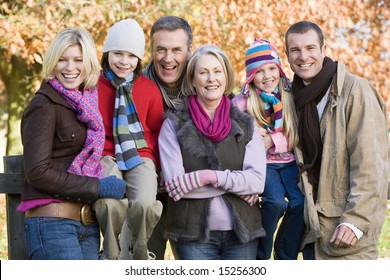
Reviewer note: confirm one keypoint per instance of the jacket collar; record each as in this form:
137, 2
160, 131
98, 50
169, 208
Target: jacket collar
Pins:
47, 90
340, 78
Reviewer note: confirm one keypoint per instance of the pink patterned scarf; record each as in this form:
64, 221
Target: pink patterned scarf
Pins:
220, 127
85, 103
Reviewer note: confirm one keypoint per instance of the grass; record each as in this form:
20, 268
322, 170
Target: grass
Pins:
384, 240
383, 244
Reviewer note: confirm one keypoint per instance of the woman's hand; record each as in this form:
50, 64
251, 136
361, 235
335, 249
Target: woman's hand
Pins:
251, 199
178, 186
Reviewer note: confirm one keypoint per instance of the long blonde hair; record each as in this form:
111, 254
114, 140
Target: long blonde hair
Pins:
255, 108
71, 37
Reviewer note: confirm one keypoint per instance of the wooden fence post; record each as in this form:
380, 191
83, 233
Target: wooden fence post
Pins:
13, 168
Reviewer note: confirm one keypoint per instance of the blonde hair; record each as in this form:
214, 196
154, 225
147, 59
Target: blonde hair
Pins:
65, 39
187, 87
255, 108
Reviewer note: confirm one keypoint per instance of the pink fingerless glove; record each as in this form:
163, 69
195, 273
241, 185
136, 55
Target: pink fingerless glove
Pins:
251, 199
180, 185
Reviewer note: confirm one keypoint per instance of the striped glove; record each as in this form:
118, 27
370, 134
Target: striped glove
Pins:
183, 184
251, 199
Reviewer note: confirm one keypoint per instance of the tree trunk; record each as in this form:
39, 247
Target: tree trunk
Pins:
19, 78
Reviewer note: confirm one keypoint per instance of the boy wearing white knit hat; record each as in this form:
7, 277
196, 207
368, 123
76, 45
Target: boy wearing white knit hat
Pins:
132, 111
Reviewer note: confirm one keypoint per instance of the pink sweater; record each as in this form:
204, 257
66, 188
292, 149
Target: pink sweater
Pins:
249, 180
279, 153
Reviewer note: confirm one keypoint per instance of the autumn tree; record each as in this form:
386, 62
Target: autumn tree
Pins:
356, 31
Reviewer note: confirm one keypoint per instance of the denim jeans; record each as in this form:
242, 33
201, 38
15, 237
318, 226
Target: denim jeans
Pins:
60, 239
308, 252
221, 245
281, 182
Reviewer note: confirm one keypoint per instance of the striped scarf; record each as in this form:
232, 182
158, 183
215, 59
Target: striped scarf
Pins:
150, 73
85, 103
127, 128
273, 109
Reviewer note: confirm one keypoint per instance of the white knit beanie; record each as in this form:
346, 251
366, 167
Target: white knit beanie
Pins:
126, 35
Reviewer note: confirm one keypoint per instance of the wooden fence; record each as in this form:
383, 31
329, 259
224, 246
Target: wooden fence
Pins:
11, 182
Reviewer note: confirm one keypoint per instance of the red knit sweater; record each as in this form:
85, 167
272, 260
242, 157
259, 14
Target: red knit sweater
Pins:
148, 102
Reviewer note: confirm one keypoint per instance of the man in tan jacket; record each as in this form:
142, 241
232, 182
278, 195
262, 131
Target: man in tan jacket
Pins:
343, 151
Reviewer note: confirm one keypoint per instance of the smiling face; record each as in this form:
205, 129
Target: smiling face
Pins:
170, 53
305, 54
267, 77
122, 63
209, 81
69, 69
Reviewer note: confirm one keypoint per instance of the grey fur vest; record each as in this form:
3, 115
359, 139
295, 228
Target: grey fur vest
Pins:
187, 218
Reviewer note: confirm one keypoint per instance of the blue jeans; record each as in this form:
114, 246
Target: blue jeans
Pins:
60, 239
308, 252
221, 245
281, 182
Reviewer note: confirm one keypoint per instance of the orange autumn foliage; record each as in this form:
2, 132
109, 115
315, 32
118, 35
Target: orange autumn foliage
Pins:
357, 32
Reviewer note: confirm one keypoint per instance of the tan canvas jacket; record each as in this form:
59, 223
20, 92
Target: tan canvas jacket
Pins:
354, 170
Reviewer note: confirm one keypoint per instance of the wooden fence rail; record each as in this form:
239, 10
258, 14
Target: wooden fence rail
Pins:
11, 182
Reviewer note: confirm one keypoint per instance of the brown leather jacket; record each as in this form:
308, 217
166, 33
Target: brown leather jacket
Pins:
52, 137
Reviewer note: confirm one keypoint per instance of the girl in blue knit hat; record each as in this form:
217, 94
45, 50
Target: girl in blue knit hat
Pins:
265, 95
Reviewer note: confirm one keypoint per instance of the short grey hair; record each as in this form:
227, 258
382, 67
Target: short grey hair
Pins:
172, 23
187, 86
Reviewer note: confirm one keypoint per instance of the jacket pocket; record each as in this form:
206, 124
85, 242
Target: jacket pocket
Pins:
334, 208
70, 133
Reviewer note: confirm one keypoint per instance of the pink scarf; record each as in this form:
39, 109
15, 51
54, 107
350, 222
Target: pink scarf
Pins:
218, 129
87, 162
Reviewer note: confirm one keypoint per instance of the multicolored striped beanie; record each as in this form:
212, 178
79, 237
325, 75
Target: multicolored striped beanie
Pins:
258, 54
